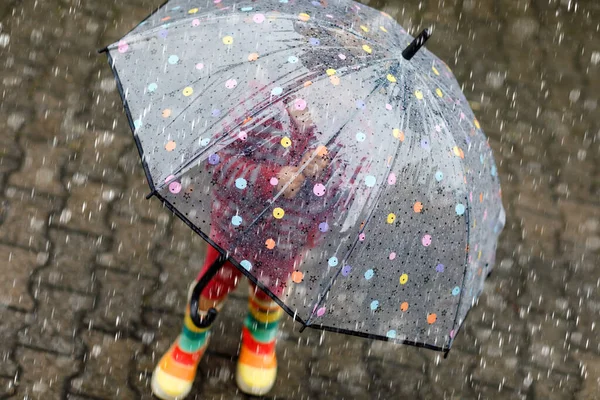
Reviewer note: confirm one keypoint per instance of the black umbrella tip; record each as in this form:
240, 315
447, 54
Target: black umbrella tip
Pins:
416, 44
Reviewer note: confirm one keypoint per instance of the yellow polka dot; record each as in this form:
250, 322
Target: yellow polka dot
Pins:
286, 142
335, 80
227, 39
383, 28
419, 94
435, 71
364, 28
278, 213
166, 113
193, 11
330, 71
458, 152
391, 78
170, 146
477, 124
391, 218
403, 279
188, 91
367, 48
398, 134
252, 56
438, 91
303, 17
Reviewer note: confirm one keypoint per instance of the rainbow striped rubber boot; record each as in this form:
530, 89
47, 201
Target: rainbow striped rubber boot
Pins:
174, 374
257, 364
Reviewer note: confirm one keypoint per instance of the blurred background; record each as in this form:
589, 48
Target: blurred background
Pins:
94, 277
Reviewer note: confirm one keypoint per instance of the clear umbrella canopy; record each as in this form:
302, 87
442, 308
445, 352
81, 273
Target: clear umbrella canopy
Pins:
392, 234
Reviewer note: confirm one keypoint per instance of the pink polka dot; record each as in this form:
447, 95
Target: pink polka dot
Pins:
388, 106
392, 255
391, 179
123, 46
321, 311
452, 333
274, 181
242, 135
258, 18
299, 104
199, 66
342, 56
362, 237
196, 22
426, 240
231, 83
319, 189
175, 187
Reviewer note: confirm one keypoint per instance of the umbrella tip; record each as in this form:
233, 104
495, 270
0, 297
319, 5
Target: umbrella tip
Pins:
416, 44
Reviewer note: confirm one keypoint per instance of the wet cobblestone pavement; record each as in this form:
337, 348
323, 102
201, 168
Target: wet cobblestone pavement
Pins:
94, 277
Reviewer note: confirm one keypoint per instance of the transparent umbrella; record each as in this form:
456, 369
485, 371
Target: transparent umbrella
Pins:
323, 152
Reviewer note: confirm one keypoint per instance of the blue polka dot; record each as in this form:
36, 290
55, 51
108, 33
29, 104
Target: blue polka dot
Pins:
283, 1
152, 87
374, 305
346, 270
493, 171
246, 8
204, 141
163, 34
439, 175
369, 274
323, 226
360, 104
481, 158
455, 291
370, 180
391, 334
292, 59
216, 112
360, 136
241, 183
236, 220
137, 123
214, 159
314, 41
277, 91
460, 209
246, 264
173, 59
333, 261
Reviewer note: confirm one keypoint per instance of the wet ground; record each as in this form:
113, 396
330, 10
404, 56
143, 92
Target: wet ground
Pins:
94, 276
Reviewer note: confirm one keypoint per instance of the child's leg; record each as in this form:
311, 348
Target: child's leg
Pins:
174, 375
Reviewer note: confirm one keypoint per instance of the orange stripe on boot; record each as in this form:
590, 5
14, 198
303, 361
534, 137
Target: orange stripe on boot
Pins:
257, 360
255, 346
181, 371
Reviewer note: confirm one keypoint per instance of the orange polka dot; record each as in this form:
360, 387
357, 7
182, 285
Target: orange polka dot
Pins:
297, 276
431, 318
166, 113
270, 243
170, 146
418, 207
253, 57
335, 80
307, 83
404, 306
321, 151
481, 197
